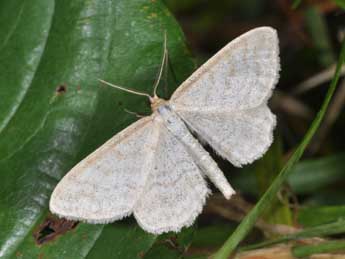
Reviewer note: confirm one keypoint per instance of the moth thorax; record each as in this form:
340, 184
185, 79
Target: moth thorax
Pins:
156, 102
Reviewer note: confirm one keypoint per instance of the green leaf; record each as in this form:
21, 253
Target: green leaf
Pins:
212, 236
312, 175
248, 222
303, 251
121, 241
330, 197
53, 112
162, 251
314, 216
171, 245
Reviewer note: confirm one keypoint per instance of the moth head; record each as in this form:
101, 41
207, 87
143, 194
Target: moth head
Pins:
156, 102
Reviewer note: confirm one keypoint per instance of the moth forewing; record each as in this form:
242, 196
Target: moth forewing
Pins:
240, 76
105, 185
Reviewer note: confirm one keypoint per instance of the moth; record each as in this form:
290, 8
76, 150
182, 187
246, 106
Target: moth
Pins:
155, 169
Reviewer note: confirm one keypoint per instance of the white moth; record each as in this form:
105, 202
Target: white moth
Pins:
155, 168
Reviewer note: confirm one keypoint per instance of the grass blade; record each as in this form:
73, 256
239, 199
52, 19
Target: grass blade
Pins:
337, 227
269, 196
303, 251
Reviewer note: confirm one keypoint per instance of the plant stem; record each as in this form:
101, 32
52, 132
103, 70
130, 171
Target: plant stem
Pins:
325, 247
318, 231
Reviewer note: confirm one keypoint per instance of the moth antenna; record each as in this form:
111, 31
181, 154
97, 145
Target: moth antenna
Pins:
162, 65
134, 113
166, 73
126, 89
